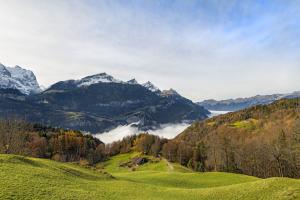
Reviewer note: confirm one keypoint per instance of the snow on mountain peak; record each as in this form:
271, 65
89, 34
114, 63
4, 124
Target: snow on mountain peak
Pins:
18, 78
98, 78
132, 82
170, 92
4, 71
101, 78
151, 87
105, 78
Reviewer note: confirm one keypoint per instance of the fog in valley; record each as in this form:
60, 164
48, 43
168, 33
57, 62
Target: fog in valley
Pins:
168, 131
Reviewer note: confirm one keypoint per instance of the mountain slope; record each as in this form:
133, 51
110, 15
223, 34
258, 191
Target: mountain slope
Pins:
99, 103
242, 103
262, 141
18, 78
277, 113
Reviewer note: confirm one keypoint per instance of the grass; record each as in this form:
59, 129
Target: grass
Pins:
245, 124
31, 178
211, 123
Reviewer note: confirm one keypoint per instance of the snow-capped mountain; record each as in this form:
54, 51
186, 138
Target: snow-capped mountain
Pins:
98, 78
99, 103
105, 78
18, 78
101, 78
151, 87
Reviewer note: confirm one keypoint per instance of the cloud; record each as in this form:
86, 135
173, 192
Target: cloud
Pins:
207, 49
168, 131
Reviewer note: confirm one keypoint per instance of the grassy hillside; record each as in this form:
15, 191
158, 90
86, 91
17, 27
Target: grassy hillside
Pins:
31, 178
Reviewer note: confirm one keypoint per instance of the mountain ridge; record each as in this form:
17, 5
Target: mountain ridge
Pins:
242, 103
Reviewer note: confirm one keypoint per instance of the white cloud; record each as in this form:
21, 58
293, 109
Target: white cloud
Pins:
168, 131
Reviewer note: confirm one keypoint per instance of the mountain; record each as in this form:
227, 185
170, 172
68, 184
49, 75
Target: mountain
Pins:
262, 141
241, 103
100, 103
170, 93
18, 78
132, 81
150, 86
98, 78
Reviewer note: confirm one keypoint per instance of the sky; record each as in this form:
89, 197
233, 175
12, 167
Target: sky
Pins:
203, 49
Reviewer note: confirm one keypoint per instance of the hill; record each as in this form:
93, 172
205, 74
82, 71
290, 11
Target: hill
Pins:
32, 178
262, 141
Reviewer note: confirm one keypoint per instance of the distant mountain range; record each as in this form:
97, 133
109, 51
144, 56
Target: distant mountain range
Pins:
94, 103
241, 103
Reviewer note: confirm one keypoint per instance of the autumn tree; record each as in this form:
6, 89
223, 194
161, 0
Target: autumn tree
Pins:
144, 142
199, 157
169, 151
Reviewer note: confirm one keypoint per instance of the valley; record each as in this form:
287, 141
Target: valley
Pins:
168, 131
150, 100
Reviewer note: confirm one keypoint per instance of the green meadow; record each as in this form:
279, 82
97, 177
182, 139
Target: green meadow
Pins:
32, 178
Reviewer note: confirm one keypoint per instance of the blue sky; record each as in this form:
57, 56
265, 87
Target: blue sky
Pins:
203, 49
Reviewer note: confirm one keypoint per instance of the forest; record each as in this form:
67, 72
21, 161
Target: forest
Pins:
22, 138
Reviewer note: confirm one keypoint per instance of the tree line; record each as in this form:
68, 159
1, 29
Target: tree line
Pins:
19, 137
279, 157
